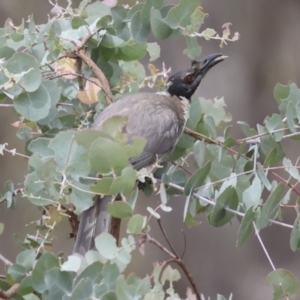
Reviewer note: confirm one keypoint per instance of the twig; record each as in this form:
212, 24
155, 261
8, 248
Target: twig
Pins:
201, 137
212, 202
184, 242
166, 237
6, 105
99, 74
292, 187
13, 152
12, 291
6, 261
255, 137
179, 261
263, 246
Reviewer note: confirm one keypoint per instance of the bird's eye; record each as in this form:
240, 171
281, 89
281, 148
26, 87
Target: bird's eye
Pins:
189, 79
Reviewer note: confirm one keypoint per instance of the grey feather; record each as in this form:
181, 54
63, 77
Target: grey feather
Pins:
93, 221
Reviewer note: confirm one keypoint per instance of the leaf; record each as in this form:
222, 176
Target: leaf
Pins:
120, 209
290, 168
125, 183
107, 156
80, 196
246, 129
219, 215
72, 264
274, 123
262, 175
197, 19
291, 115
59, 283
153, 213
132, 51
215, 109
271, 207
136, 224
180, 15
16, 272
106, 244
271, 158
140, 31
133, 70
92, 272
246, 227
35, 105
193, 49
24, 133
83, 290
26, 71
295, 235
70, 157
252, 195
153, 50
90, 93
281, 92
285, 284
46, 262
146, 10
195, 112
161, 30
197, 179
170, 274
199, 152
26, 259
112, 41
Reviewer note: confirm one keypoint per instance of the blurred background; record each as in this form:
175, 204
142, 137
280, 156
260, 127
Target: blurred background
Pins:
267, 53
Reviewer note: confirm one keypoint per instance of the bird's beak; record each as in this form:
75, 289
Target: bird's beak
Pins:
202, 66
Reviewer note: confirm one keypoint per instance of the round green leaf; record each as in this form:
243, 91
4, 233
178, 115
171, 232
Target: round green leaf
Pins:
284, 282
106, 244
136, 224
46, 262
35, 105
120, 209
26, 70
106, 156
26, 259
24, 133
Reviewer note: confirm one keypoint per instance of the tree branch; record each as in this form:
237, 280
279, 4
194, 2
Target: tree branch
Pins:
12, 291
179, 261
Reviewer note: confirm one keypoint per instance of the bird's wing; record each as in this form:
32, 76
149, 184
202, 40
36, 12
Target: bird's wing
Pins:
151, 116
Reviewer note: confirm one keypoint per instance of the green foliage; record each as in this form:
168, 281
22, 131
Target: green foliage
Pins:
68, 165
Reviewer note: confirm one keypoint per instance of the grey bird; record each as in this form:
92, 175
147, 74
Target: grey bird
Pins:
160, 118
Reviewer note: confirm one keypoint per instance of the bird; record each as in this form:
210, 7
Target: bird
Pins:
160, 118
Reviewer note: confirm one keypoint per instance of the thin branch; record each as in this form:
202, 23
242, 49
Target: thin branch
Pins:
201, 137
238, 213
255, 137
6, 105
98, 73
12, 291
87, 38
263, 246
184, 242
166, 237
13, 152
292, 187
179, 261
6, 261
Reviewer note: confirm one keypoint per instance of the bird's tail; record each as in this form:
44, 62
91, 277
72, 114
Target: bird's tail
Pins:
93, 221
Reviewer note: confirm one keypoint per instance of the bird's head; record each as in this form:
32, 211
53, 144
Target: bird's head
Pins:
185, 83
